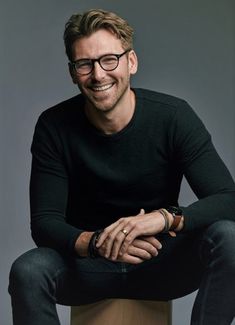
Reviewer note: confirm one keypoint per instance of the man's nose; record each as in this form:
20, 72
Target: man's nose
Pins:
98, 73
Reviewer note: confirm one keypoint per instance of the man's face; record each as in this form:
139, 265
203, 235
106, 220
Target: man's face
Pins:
104, 90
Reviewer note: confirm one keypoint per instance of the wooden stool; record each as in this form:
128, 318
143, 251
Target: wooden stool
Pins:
122, 312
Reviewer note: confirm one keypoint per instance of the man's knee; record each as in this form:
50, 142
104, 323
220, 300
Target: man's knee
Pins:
30, 268
222, 231
218, 241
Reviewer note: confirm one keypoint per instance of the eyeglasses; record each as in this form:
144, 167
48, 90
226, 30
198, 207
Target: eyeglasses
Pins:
107, 62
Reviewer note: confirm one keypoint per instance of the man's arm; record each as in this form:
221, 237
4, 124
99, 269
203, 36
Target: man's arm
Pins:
193, 152
49, 191
206, 173
48, 201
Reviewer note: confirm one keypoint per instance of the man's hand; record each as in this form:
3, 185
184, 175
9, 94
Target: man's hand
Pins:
141, 249
117, 238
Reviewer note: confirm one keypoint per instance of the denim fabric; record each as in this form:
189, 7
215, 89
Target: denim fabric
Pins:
205, 259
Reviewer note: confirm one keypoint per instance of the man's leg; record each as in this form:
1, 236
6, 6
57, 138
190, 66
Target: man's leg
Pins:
42, 277
32, 287
175, 272
204, 260
215, 302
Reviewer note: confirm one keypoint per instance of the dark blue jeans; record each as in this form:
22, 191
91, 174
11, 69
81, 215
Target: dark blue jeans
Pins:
205, 259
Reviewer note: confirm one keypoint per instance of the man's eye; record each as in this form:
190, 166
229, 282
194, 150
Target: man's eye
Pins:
83, 65
109, 60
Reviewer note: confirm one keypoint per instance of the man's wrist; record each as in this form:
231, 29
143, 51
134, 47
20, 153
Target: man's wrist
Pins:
92, 249
180, 225
171, 224
177, 215
82, 243
168, 220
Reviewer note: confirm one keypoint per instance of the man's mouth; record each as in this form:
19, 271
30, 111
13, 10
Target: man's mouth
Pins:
101, 88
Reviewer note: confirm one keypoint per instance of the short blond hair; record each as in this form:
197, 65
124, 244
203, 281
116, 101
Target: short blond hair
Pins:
80, 25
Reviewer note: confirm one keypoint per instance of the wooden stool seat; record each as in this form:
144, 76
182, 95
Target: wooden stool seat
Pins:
122, 312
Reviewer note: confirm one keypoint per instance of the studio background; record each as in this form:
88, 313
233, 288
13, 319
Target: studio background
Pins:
185, 48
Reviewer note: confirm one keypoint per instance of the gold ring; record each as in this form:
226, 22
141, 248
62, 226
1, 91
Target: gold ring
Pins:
125, 232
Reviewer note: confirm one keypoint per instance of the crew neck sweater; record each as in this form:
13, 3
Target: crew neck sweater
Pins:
84, 180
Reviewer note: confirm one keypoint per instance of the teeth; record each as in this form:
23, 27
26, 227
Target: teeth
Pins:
102, 88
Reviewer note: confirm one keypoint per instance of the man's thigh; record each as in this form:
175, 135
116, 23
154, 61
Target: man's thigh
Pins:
68, 280
175, 272
88, 280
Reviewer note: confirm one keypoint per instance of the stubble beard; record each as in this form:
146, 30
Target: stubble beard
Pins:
100, 106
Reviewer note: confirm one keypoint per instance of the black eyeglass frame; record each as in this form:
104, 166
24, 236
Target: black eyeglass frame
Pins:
92, 61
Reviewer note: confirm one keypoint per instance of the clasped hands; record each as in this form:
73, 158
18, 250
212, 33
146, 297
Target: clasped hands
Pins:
132, 239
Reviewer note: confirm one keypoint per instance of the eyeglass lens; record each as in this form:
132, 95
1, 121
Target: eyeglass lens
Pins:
107, 62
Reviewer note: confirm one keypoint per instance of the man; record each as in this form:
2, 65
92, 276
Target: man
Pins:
106, 173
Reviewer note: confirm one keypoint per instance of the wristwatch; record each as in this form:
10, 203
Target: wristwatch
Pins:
177, 214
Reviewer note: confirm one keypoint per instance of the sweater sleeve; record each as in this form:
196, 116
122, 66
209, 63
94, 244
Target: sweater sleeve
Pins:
49, 191
204, 170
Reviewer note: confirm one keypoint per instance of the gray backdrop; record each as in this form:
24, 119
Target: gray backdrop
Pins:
185, 48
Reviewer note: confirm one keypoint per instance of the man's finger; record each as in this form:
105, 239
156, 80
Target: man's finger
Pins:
106, 232
152, 240
145, 245
138, 252
114, 240
130, 259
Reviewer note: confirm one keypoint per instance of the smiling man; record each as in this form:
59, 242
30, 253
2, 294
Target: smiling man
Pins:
106, 174
104, 82
105, 85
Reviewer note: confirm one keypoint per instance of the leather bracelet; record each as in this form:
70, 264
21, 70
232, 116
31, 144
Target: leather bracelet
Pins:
92, 250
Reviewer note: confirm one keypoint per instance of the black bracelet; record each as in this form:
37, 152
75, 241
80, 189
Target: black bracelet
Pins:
92, 249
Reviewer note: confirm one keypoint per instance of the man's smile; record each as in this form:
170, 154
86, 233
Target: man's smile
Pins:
101, 87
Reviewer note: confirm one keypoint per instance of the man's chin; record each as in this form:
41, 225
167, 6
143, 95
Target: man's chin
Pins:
103, 108
101, 104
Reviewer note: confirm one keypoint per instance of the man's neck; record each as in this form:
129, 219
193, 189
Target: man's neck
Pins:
114, 120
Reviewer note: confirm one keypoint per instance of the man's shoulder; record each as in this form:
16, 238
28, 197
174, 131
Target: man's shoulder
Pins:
62, 109
158, 98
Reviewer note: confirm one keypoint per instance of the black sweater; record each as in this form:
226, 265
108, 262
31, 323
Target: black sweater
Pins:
82, 179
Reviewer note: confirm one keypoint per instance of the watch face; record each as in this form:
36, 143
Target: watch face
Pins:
175, 210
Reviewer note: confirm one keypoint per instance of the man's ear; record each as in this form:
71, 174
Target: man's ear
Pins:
72, 73
133, 62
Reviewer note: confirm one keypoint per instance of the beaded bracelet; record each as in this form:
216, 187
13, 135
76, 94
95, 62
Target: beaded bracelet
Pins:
164, 214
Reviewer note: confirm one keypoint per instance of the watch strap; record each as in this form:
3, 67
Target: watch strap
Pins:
176, 221
177, 214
